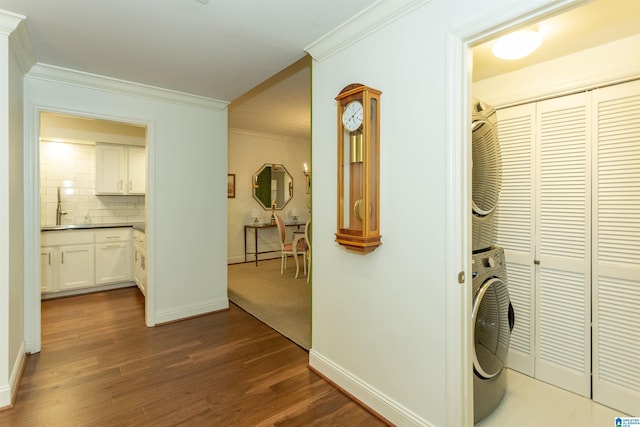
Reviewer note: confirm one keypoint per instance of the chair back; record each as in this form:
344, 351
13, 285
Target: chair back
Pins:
281, 229
307, 234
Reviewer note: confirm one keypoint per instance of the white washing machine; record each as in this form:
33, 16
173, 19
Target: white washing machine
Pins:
493, 319
486, 174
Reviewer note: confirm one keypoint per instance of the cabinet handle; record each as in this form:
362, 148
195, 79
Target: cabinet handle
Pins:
114, 246
62, 257
112, 237
49, 258
143, 264
120, 184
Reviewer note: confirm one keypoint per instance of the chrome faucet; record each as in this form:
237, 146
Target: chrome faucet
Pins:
59, 211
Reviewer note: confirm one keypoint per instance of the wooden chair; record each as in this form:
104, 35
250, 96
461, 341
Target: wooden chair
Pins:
288, 248
303, 240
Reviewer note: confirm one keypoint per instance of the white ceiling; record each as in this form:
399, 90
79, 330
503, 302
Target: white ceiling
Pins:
596, 23
249, 51
217, 50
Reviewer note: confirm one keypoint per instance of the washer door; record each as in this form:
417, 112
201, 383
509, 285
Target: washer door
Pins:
492, 323
487, 166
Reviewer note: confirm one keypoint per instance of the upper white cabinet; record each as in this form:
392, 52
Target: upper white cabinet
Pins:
120, 169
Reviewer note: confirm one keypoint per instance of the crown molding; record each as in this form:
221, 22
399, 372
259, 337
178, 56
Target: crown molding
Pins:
265, 135
9, 21
15, 26
377, 16
109, 84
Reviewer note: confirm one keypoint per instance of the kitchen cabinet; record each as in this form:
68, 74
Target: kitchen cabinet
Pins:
113, 255
120, 169
140, 261
67, 260
47, 257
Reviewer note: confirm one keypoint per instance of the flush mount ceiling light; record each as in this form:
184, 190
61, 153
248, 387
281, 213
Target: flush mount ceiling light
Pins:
517, 45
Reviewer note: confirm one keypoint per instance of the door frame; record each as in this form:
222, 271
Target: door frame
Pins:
32, 273
459, 410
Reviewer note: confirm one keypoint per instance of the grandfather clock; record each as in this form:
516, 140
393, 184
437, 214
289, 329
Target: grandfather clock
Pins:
359, 168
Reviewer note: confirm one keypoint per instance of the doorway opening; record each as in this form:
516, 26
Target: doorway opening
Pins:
64, 196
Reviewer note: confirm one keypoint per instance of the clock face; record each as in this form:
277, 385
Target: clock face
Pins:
352, 116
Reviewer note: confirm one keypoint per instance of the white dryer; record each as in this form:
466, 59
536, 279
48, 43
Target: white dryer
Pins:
493, 320
486, 174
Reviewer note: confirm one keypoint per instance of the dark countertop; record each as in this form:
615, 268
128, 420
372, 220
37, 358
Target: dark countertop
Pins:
136, 225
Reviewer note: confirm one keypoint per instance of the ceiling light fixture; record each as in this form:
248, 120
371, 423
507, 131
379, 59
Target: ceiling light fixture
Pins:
517, 45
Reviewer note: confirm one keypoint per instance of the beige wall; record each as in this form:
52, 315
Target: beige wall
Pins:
248, 151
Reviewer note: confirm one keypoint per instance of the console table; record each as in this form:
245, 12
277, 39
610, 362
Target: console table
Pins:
255, 228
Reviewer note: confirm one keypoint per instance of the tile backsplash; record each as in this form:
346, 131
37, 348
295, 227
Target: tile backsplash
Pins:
72, 167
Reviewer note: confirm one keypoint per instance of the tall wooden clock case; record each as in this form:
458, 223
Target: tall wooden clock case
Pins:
359, 168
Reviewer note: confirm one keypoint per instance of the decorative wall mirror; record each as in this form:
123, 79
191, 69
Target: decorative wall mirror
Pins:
272, 185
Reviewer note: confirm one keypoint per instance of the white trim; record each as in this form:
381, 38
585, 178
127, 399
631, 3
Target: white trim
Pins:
459, 393
367, 394
109, 84
9, 21
375, 17
191, 310
15, 27
265, 135
7, 392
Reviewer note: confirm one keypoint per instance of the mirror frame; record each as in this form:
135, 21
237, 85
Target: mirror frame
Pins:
288, 192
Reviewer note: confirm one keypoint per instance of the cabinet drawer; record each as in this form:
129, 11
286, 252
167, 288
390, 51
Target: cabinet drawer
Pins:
66, 237
113, 235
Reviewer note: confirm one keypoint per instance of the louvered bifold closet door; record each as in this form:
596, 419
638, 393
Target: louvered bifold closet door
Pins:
515, 225
563, 297
616, 247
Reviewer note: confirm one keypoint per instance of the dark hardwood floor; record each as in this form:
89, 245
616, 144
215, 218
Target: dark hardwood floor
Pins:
100, 366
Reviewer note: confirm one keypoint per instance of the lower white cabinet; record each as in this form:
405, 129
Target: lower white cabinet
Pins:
67, 260
113, 255
76, 259
140, 261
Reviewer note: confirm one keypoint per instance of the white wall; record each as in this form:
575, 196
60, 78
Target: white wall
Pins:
186, 199
248, 151
379, 320
12, 347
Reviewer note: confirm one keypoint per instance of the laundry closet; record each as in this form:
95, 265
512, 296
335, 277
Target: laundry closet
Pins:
569, 220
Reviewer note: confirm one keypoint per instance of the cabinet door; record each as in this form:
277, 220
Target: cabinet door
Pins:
47, 260
137, 265
113, 262
110, 169
76, 267
137, 170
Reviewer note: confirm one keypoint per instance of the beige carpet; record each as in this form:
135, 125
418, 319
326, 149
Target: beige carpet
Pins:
281, 301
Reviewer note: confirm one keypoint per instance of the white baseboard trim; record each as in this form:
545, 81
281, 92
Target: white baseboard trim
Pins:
8, 391
365, 393
191, 310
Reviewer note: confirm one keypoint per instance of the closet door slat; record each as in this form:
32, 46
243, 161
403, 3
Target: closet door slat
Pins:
515, 226
563, 299
616, 247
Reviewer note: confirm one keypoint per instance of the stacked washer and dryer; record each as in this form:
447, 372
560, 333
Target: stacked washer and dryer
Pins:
492, 314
